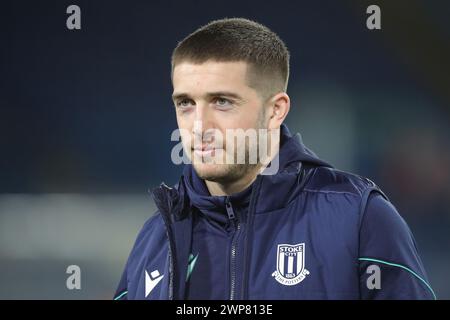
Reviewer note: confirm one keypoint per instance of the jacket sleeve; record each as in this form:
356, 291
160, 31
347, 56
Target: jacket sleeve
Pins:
122, 288
389, 262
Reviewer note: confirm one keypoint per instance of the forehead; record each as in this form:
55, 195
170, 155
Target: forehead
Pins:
210, 74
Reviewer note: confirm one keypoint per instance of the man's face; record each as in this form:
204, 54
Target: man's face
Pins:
217, 96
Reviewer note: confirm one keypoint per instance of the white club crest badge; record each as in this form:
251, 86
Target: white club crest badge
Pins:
290, 264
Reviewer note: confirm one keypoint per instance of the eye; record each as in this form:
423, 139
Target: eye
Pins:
184, 103
222, 102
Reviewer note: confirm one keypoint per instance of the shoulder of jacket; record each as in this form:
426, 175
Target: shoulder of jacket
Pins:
331, 180
152, 227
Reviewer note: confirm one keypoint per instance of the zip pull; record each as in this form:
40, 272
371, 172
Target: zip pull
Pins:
230, 210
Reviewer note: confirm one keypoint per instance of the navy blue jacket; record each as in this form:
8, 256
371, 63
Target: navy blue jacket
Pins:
308, 232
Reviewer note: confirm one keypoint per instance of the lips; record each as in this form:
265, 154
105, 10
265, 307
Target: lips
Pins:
204, 147
205, 150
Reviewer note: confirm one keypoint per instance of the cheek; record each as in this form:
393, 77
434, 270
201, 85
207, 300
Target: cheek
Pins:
248, 118
187, 142
184, 123
184, 130
243, 116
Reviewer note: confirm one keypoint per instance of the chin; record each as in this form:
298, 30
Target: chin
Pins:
210, 172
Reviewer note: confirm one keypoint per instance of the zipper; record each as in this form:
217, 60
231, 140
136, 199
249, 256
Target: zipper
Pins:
237, 226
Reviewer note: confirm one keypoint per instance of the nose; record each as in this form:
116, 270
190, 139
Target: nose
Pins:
203, 122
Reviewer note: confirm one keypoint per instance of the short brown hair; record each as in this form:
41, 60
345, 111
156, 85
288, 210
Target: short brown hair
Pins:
238, 39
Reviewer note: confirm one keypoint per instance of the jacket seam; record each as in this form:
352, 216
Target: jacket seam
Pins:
331, 192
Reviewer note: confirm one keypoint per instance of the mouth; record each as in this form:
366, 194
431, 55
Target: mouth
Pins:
205, 150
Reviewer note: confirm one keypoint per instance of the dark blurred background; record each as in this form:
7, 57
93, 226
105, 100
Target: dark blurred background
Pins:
86, 118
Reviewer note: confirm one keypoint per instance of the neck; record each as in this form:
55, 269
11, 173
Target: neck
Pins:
226, 189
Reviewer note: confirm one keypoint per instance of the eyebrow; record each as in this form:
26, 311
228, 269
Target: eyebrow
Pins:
182, 95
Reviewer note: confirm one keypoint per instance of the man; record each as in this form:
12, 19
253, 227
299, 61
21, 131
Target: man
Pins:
287, 226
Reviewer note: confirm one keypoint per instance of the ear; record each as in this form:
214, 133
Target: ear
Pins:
279, 106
